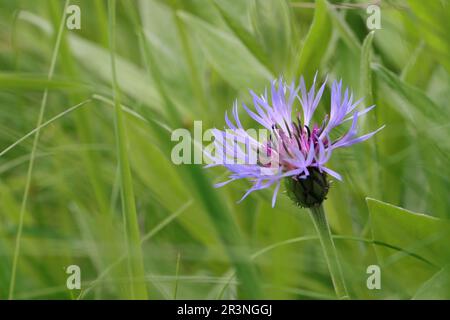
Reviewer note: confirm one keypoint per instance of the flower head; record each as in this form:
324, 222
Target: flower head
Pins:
294, 149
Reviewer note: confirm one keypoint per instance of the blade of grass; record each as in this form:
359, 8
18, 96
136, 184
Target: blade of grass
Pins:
225, 226
30, 81
272, 30
32, 157
423, 107
172, 112
271, 247
366, 90
245, 36
42, 125
84, 120
102, 22
177, 271
136, 264
148, 236
227, 54
365, 70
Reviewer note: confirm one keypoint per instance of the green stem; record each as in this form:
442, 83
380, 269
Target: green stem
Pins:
323, 230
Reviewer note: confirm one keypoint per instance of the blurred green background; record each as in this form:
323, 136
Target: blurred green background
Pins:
104, 140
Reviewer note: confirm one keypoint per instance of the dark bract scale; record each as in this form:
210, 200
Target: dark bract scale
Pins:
310, 191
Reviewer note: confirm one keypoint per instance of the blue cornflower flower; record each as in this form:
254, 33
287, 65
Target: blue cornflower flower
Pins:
295, 150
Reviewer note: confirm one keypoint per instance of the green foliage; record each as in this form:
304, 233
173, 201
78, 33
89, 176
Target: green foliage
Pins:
421, 236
